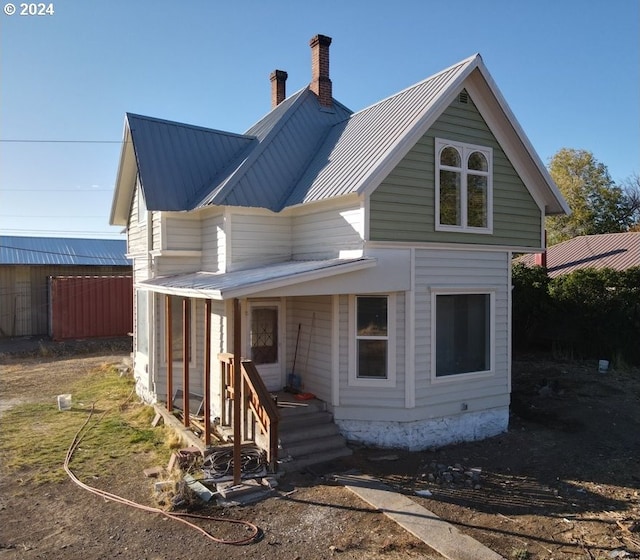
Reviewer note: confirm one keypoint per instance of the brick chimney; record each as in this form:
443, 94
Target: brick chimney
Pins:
278, 87
320, 81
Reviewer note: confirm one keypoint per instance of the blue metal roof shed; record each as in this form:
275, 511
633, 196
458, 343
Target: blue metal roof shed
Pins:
15, 250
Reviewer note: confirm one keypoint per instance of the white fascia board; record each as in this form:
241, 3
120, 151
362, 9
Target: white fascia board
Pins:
183, 292
502, 133
125, 181
259, 287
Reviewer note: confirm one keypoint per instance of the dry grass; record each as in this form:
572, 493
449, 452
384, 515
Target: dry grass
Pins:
35, 436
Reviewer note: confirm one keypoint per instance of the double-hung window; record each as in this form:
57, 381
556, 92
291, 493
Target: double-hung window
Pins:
372, 327
464, 187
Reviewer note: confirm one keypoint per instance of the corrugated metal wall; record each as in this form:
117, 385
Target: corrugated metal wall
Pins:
24, 298
90, 306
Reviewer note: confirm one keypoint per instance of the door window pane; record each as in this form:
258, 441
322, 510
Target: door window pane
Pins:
264, 335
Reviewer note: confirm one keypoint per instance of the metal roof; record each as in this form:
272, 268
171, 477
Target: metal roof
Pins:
354, 148
608, 250
289, 139
302, 152
178, 163
250, 281
16, 250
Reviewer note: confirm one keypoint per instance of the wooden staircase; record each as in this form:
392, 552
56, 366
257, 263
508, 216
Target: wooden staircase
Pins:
306, 435
295, 433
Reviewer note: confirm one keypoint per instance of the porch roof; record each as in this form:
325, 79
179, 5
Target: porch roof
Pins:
241, 283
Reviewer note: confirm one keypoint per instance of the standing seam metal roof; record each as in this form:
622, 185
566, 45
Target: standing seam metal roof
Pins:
290, 138
355, 147
15, 250
177, 162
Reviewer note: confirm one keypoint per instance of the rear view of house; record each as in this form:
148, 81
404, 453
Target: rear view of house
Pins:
364, 256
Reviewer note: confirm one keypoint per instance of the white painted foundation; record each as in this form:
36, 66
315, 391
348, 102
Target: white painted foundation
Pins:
424, 434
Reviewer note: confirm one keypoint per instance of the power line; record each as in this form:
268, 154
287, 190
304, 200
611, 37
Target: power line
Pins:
56, 190
24, 141
10, 231
8, 216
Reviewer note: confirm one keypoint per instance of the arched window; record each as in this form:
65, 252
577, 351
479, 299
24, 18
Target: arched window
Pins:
463, 187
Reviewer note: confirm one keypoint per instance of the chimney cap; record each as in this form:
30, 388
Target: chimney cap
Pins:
324, 40
278, 75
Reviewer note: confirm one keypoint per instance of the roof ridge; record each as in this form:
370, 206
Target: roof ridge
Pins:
186, 125
459, 64
258, 150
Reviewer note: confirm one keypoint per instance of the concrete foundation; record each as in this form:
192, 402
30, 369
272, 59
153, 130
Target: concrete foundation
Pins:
424, 434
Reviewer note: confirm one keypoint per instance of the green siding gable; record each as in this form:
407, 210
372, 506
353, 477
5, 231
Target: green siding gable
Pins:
402, 208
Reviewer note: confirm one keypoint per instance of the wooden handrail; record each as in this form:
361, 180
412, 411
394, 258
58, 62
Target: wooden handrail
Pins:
256, 398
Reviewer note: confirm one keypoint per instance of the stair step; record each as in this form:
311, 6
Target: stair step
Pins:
307, 419
292, 434
309, 447
314, 459
294, 408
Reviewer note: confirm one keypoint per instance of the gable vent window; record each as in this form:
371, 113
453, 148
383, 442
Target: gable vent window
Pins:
463, 97
464, 187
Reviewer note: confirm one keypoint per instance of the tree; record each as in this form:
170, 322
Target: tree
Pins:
597, 204
631, 188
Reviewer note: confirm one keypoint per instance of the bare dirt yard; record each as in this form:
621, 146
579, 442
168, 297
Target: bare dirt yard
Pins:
562, 483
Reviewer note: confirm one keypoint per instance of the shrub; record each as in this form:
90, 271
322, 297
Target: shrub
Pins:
589, 313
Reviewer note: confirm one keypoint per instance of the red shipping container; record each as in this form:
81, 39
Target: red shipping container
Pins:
90, 306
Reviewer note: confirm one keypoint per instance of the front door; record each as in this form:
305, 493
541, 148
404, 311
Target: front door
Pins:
265, 342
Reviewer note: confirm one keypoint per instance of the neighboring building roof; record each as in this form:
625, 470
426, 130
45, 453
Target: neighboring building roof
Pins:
302, 152
16, 250
608, 250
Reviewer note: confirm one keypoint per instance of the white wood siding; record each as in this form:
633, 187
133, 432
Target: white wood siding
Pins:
313, 362
137, 242
460, 269
166, 266
258, 239
323, 235
213, 243
181, 231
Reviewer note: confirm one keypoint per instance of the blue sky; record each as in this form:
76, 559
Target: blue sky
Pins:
569, 70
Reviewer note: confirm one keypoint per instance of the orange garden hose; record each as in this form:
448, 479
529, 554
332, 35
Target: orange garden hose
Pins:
181, 517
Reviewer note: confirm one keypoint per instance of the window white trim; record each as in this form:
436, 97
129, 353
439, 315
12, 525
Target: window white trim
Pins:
390, 380
465, 150
491, 292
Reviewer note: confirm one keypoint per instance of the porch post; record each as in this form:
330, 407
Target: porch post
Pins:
237, 393
168, 335
186, 345
207, 371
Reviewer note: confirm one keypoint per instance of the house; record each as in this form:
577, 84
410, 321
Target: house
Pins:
363, 257
27, 265
618, 251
